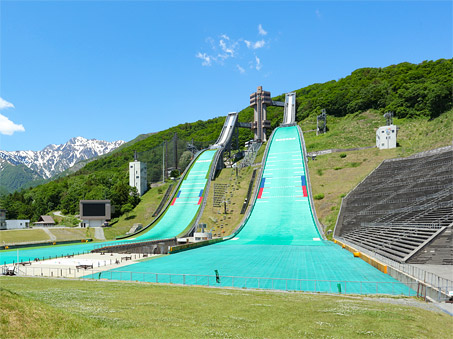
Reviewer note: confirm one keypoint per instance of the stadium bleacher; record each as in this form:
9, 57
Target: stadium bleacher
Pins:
402, 207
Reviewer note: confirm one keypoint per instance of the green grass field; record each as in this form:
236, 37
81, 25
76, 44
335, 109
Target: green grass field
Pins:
37, 307
64, 234
37, 235
18, 236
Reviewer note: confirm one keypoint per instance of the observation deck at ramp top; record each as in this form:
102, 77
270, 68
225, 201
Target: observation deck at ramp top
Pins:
280, 239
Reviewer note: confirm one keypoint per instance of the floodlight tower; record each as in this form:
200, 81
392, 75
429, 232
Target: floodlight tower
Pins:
321, 122
389, 117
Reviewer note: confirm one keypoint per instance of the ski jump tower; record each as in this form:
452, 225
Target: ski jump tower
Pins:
259, 101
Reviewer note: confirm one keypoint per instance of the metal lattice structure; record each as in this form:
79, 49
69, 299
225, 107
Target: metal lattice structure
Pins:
321, 123
172, 154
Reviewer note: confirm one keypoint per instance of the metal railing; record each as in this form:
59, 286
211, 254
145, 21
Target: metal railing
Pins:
409, 225
445, 285
260, 283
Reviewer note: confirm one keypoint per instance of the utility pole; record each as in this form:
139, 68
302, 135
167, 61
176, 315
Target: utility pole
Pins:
163, 162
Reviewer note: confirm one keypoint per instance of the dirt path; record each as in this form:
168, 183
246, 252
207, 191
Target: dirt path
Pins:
99, 233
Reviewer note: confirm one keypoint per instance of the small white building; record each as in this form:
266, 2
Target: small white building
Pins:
386, 137
17, 224
137, 176
200, 236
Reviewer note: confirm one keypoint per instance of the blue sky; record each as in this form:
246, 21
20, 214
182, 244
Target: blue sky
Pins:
111, 70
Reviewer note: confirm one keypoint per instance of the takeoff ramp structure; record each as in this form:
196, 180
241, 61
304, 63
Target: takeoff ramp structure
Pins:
289, 115
227, 131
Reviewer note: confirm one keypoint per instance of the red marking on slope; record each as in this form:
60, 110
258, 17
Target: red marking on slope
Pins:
260, 192
304, 189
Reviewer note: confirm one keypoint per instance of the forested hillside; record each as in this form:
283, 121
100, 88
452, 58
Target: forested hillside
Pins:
410, 91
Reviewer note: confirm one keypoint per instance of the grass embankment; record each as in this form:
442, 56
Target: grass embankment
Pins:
65, 234
142, 213
335, 176
35, 307
214, 217
19, 236
11, 237
260, 153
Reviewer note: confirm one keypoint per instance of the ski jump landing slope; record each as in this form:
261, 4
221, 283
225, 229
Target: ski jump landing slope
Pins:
279, 240
186, 203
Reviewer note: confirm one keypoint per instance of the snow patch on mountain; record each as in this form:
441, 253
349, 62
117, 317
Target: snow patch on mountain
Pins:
54, 159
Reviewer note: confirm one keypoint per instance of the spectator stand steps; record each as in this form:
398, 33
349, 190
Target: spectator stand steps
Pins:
403, 208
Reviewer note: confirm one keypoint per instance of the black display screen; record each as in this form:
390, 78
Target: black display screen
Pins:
93, 210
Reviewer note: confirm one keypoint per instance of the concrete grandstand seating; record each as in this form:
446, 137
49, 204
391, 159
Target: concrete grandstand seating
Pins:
401, 207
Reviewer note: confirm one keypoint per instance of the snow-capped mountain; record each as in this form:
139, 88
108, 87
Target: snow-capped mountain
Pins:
54, 159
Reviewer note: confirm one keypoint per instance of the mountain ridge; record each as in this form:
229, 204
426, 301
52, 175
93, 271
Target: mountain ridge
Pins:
50, 161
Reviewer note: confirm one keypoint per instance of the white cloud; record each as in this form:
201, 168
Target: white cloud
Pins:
206, 59
221, 49
7, 127
258, 63
229, 48
259, 44
5, 104
255, 45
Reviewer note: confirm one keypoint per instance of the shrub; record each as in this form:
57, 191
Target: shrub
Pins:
319, 196
342, 155
354, 164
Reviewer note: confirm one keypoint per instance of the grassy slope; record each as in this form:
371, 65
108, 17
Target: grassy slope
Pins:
37, 235
335, 177
62, 308
214, 217
63, 234
23, 317
18, 236
142, 213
